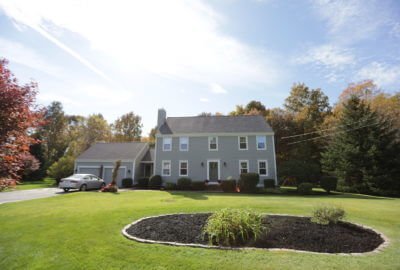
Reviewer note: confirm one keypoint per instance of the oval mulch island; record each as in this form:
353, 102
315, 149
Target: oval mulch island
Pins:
284, 232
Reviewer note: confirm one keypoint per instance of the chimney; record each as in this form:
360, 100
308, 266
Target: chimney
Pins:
162, 116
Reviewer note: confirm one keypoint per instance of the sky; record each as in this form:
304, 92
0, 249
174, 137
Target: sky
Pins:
113, 57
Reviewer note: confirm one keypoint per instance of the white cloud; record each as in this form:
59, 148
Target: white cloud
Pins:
173, 39
329, 56
204, 100
217, 89
383, 74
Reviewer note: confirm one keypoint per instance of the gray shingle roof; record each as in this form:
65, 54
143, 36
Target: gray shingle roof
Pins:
113, 151
149, 156
215, 124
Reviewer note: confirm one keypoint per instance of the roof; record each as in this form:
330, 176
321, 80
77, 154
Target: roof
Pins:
215, 124
113, 151
149, 156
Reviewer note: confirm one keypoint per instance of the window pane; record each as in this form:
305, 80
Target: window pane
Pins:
263, 171
242, 139
261, 142
213, 143
262, 165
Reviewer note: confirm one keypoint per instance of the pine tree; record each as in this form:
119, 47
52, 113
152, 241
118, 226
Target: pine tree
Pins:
364, 151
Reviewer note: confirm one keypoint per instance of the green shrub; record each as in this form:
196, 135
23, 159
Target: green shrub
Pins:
184, 183
155, 181
233, 226
329, 183
62, 168
198, 185
327, 214
305, 188
228, 185
170, 186
143, 182
127, 182
269, 183
248, 182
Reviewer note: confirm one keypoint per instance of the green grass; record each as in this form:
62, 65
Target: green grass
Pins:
45, 183
83, 231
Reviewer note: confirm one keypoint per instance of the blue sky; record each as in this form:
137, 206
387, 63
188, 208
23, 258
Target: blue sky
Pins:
112, 57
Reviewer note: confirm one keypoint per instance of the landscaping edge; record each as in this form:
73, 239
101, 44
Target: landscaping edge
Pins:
379, 249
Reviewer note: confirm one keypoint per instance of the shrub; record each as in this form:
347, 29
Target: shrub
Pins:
198, 185
248, 182
329, 183
184, 183
228, 185
143, 182
327, 214
170, 186
155, 181
233, 226
269, 183
305, 188
62, 168
6, 183
127, 182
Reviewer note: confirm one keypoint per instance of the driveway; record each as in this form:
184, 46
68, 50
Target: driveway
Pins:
23, 195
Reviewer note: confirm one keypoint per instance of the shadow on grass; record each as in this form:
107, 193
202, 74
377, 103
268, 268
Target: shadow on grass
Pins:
195, 195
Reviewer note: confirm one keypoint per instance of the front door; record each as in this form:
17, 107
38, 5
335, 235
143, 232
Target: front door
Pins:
213, 170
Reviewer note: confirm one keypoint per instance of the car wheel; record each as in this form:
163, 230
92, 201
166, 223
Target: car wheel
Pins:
66, 189
83, 187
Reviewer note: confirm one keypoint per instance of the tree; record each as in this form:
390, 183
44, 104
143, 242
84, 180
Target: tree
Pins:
128, 128
364, 152
18, 116
62, 168
252, 108
96, 129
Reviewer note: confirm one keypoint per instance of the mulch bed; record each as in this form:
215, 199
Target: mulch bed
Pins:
288, 232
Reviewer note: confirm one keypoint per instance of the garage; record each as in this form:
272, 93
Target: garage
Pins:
90, 170
108, 175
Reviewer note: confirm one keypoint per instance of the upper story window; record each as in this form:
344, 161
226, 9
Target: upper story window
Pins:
242, 142
213, 143
183, 168
261, 142
166, 168
167, 144
262, 167
183, 143
243, 166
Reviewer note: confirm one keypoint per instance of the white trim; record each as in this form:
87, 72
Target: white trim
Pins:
266, 167
162, 167
240, 167
104, 160
163, 144
273, 149
208, 168
265, 142
214, 134
209, 139
155, 157
247, 143
184, 150
187, 167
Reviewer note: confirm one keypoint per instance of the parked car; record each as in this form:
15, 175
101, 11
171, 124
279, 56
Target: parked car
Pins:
82, 182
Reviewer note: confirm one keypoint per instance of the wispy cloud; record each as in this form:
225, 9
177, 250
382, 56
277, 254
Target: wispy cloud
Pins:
383, 74
217, 89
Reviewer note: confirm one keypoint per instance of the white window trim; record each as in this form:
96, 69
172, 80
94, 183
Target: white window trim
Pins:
240, 167
247, 143
209, 140
266, 167
163, 144
187, 167
208, 168
180, 143
162, 167
265, 142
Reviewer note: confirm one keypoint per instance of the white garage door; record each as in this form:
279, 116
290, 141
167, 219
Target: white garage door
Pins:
90, 170
108, 175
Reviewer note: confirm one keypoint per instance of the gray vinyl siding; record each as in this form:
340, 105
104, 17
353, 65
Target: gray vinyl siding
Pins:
228, 152
139, 158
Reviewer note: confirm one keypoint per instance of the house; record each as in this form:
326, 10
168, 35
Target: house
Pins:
213, 147
202, 148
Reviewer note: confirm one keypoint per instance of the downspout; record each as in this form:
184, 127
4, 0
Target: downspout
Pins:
273, 147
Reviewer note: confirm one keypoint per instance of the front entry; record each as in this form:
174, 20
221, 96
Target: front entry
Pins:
213, 170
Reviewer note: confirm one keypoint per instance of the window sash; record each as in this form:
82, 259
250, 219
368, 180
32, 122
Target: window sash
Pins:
213, 143
167, 144
261, 142
183, 143
243, 143
166, 168
183, 168
262, 168
245, 168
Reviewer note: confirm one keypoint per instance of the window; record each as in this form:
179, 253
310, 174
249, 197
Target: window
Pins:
166, 168
242, 142
262, 167
183, 168
212, 143
167, 144
243, 166
261, 143
183, 143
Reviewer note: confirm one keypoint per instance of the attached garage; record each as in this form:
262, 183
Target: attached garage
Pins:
100, 158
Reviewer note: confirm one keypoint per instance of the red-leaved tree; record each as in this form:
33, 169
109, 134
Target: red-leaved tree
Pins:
18, 116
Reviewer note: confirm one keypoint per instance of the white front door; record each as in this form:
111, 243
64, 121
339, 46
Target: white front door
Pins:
213, 170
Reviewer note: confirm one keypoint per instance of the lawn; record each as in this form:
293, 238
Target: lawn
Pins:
83, 231
45, 183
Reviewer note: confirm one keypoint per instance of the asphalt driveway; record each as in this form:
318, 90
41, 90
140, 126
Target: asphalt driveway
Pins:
23, 195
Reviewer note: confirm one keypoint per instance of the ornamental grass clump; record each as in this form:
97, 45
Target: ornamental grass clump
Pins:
230, 227
327, 214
